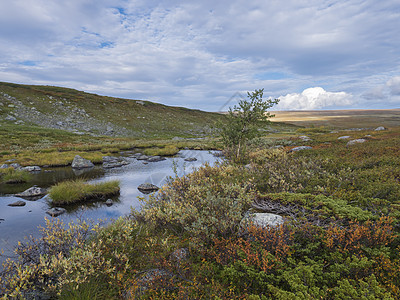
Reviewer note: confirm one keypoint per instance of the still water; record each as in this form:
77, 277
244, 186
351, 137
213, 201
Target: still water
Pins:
18, 222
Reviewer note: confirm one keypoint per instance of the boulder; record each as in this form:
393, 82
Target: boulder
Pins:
343, 137
143, 157
300, 148
4, 166
264, 220
17, 203
380, 128
190, 159
56, 211
357, 141
34, 191
147, 188
32, 169
155, 158
16, 166
81, 163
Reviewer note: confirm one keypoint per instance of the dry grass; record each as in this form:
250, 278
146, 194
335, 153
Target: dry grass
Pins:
341, 119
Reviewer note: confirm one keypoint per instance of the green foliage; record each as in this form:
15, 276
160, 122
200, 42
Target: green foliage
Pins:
69, 192
244, 122
202, 205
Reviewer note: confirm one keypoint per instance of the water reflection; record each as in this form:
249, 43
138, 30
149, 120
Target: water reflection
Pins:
23, 221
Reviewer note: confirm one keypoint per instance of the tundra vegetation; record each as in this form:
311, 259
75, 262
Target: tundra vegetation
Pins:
68, 192
340, 238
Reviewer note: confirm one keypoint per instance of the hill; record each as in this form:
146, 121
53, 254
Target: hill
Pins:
85, 113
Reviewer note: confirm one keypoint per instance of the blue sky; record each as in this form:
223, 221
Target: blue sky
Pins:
312, 54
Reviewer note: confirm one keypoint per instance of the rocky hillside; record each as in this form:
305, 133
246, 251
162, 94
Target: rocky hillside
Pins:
84, 113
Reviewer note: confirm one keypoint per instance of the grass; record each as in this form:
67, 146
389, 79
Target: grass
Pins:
169, 150
10, 175
69, 192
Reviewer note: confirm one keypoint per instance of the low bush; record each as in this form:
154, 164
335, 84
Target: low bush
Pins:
69, 192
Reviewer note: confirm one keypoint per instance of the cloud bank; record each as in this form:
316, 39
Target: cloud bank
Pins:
314, 98
198, 54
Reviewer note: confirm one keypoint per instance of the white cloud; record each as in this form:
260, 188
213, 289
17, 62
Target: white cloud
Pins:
198, 54
313, 98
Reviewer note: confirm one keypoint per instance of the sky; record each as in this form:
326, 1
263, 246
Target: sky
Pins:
311, 54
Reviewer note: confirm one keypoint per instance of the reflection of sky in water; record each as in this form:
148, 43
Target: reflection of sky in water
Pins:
23, 221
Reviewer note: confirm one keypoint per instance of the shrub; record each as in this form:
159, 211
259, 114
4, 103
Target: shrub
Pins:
69, 192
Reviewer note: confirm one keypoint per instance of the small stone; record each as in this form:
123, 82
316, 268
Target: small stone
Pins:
18, 203
109, 202
56, 211
191, 159
4, 166
155, 158
147, 188
380, 128
343, 137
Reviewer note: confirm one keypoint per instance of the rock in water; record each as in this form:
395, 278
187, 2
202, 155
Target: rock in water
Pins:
34, 191
56, 211
109, 202
81, 163
32, 169
147, 188
156, 158
191, 159
17, 203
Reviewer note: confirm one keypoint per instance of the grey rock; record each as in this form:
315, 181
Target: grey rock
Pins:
10, 118
143, 157
156, 158
18, 203
343, 137
10, 160
179, 255
32, 169
190, 159
147, 188
305, 138
380, 128
81, 163
15, 166
300, 148
109, 202
34, 191
357, 141
4, 166
56, 211
264, 220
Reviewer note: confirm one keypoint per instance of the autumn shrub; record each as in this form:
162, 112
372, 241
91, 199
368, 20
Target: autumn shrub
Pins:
204, 204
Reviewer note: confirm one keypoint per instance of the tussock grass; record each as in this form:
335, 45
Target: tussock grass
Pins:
166, 151
69, 192
10, 175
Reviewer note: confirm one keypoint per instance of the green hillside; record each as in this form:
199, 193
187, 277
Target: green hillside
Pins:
80, 112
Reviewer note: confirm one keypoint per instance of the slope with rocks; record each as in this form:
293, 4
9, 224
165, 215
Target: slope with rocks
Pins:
80, 112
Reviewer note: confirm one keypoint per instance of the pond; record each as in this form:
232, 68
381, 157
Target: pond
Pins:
19, 222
